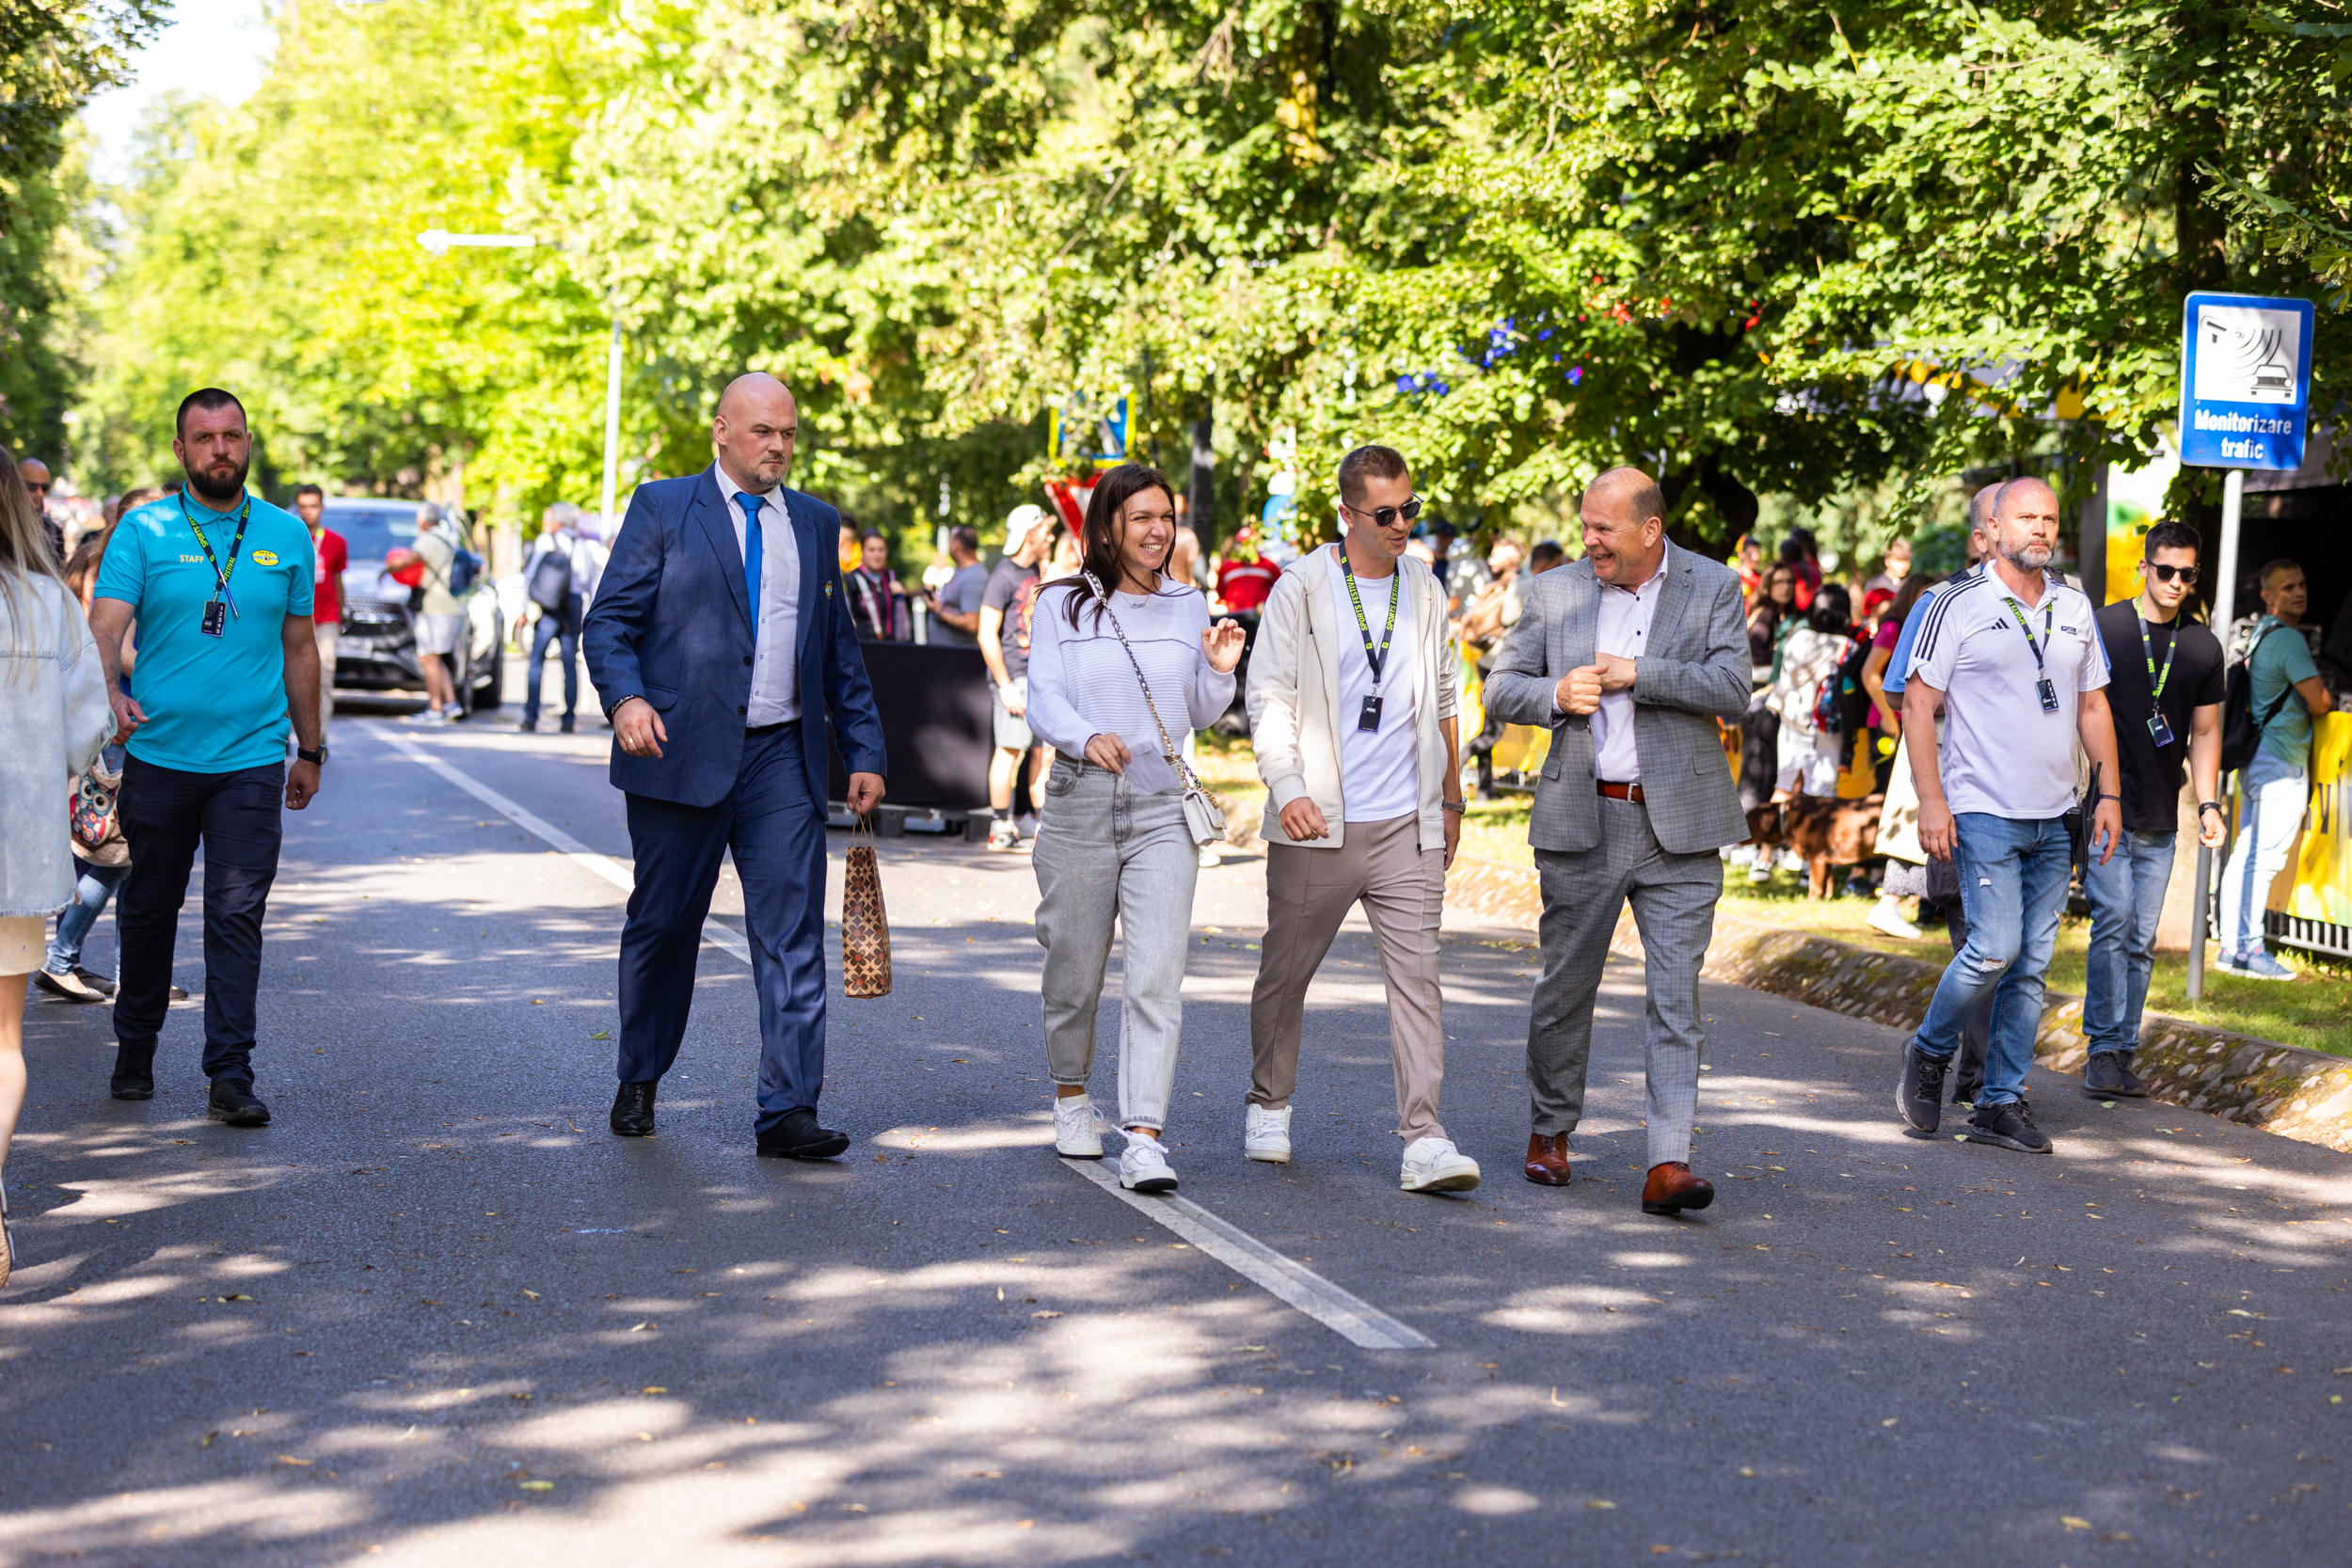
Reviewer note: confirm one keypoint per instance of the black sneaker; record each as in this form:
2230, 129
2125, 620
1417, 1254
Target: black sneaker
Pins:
2007, 1126
1920, 1095
2109, 1076
135, 1074
235, 1103
1965, 1088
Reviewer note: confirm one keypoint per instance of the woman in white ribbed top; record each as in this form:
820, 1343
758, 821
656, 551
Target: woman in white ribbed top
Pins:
1113, 850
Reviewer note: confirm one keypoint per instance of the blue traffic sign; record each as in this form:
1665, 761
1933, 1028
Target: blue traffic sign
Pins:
2246, 381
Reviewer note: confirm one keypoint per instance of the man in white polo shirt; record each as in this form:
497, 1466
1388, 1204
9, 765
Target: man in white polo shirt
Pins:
2014, 657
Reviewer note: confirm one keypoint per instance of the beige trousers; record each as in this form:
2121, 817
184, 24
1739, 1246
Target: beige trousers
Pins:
1309, 891
325, 631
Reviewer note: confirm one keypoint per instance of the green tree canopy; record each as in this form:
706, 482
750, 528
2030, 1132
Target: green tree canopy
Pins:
1794, 250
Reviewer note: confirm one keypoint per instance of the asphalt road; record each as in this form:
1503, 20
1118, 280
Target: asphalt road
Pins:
435, 1314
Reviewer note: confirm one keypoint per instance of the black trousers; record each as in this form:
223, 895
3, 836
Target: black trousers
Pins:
166, 814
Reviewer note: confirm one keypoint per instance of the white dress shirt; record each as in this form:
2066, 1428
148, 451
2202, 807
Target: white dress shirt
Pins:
775, 651
1621, 627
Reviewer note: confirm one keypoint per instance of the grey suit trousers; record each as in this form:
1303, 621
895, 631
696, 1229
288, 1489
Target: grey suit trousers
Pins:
1674, 906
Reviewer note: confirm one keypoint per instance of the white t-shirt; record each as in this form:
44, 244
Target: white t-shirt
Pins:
1379, 770
2003, 753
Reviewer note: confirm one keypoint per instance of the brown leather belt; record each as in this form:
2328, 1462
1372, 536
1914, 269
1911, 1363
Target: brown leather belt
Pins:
1618, 791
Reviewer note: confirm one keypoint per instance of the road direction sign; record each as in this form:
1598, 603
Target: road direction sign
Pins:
2246, 381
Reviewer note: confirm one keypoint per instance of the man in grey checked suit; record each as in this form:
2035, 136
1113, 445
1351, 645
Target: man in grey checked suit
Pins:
1628, 657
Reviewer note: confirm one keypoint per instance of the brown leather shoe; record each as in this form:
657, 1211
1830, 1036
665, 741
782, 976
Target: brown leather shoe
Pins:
1547, 1159
1672, 1188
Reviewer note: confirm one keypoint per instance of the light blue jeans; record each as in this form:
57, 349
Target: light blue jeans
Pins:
1109, 856
2272, 795
2013, 887
91, 893
2126, 902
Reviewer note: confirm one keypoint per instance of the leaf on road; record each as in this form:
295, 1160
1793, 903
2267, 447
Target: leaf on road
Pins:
2073, 1523
289, 1459
536, 1485
601, 1034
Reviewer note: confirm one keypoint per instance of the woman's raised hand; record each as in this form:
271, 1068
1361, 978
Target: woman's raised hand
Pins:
1222, 643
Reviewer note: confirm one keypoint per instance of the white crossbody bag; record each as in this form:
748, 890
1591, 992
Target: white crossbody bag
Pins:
1201, 816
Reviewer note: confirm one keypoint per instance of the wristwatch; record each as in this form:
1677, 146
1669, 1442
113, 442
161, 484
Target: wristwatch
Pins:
1453, 805
2204, 806
316, 759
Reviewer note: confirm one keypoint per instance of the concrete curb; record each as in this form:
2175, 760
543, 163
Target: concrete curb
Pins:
2285, 1089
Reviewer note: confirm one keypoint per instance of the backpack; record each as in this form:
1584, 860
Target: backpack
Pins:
1841, 707
551, 580
2241, 732
464, 567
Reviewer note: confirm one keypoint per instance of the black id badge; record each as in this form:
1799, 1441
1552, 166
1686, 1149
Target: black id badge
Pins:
1369, 719
2049, 694
2158, 730
215, 618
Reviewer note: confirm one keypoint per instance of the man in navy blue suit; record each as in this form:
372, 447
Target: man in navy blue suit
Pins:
719, 643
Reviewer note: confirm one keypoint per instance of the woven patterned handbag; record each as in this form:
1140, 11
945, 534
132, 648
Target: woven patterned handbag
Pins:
864, 926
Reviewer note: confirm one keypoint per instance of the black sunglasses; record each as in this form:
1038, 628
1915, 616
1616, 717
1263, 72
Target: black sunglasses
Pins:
1388, 516
2166, 573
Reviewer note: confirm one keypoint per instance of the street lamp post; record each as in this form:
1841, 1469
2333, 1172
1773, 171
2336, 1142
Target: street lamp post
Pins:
440, 241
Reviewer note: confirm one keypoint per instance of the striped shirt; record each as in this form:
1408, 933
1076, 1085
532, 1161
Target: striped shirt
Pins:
1081, 684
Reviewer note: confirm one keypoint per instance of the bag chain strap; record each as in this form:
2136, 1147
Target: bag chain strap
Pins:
1175, 758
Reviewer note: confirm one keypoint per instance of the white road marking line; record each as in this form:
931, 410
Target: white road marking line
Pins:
612, 871
1350, 1316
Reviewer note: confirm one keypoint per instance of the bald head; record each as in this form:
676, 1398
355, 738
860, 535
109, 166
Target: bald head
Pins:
1625, 526
754, 431
2024, 525
1980, 505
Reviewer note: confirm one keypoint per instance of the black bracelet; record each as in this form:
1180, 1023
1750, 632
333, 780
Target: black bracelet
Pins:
2204, 806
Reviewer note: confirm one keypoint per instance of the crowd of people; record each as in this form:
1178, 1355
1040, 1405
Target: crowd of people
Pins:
2012, 734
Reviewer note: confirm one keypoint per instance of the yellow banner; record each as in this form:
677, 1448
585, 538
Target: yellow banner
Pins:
2322, 870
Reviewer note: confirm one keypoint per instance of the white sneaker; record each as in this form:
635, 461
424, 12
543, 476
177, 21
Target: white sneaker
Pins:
1435, 1166
1266, 1134
1076, 1134
1027, 826
1888, 916
1002, 835
1209, 859
1143, 1166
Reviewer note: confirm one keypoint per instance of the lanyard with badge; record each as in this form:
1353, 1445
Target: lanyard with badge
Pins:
2043, 687
2157, 729
1369, 718
216, 612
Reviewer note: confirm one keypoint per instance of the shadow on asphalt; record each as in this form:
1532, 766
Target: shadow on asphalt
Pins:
434, 1313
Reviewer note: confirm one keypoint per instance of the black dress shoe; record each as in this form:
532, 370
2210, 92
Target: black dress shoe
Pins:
798, 1137
135, 1074
632, 1110
235, 1102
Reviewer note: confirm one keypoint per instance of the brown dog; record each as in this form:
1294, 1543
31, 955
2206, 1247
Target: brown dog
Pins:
1823, 832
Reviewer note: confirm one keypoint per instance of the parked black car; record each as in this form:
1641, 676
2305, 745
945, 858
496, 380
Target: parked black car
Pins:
375, 647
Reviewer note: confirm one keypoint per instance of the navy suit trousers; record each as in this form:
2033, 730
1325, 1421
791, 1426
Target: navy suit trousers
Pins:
776, 831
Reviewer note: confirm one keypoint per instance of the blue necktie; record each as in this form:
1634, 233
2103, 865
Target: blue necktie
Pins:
754, 548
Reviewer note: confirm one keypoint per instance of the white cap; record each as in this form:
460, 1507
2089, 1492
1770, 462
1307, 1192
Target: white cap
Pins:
1021, 519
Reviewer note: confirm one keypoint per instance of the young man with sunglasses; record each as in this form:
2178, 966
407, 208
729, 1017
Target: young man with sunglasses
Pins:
1352, 716
2165, 692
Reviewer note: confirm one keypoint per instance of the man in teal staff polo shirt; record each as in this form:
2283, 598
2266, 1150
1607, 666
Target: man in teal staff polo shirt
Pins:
219, 582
